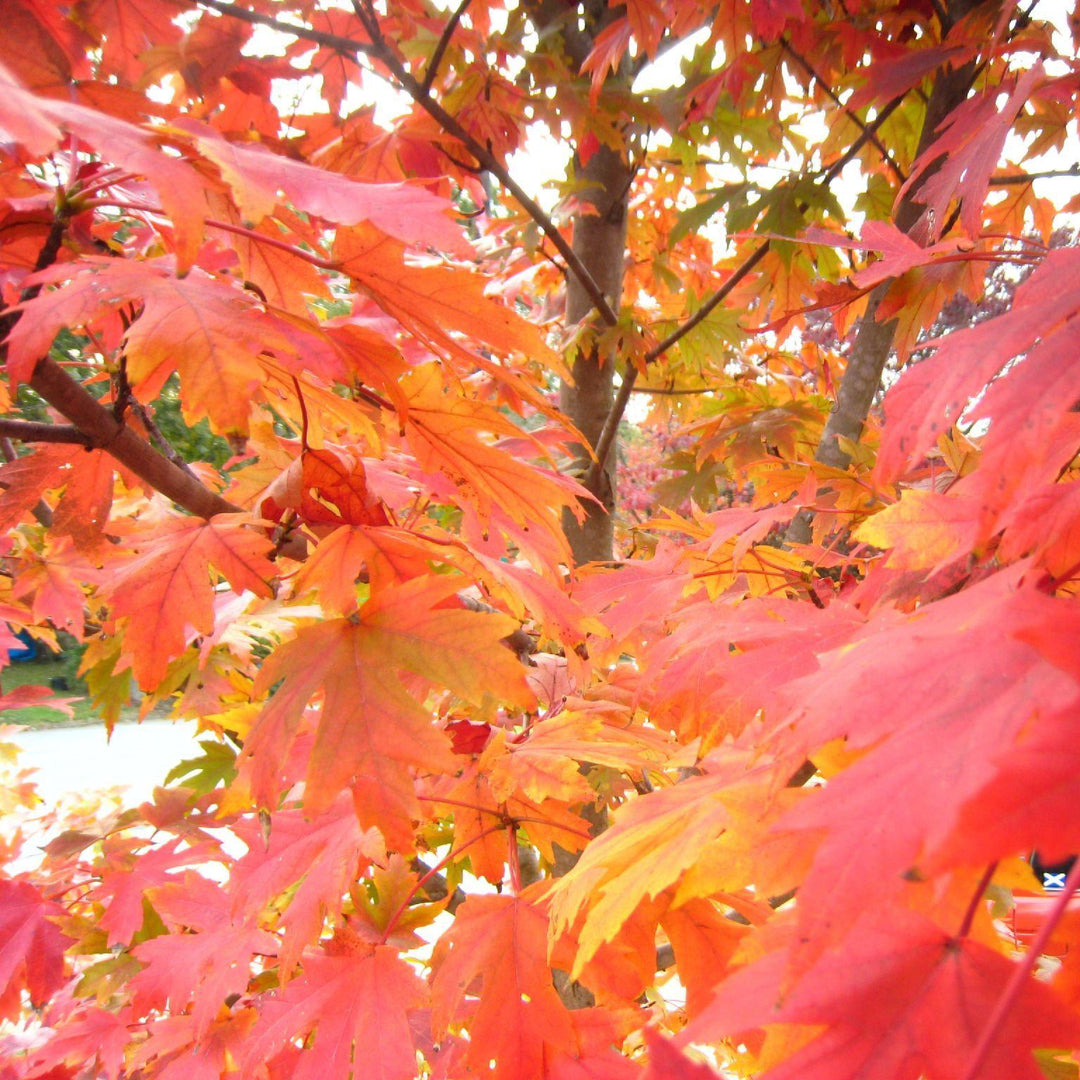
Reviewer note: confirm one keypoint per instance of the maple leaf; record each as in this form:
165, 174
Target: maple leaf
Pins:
971, 141
704, 939
129, 29
932, 395
205, 328
51, 582
487, 107
436, 302
369, 723
478, 808
923, 529
491, 974
25, 697
178, 1052
609, 47
357, 1000
285, 278
407, 212
88, 1037
168, 587
337, 479
443, 435
899, 253
666, 1062
38, 122
83, 509
389, 555
315, 860
31, 946
26, 478
203, 967
889, 76
771, 16
43, 48
971, 711
917, 1007
650, 845
131, 873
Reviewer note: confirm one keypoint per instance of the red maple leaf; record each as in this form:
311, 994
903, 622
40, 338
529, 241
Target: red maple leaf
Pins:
31, 947
357, 1001
901, 1000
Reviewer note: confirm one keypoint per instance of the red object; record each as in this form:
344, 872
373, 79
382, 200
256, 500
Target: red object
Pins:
1029, 914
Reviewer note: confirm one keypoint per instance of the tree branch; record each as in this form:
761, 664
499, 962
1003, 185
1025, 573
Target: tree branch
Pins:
670, 391
101, 429
878, 145
874, 339
31, 431
622, 398
381, 51
1026, 178
255, 18
104, 432
440, 48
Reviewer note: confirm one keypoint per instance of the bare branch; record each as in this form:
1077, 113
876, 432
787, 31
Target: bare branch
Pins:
31, 431
440, 48
320, 37
1026, 178
666, 391
877, 144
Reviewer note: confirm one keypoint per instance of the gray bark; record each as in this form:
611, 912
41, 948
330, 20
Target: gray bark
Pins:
600, 242
873, 340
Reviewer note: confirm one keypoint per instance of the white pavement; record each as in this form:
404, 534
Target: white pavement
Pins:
84, 759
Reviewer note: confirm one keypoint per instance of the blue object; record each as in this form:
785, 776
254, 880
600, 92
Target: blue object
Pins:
29, 652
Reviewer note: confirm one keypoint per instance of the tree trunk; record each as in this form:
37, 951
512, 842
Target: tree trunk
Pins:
873, 340
600, 243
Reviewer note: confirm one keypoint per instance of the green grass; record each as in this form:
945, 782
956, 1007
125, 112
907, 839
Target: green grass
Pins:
40, 672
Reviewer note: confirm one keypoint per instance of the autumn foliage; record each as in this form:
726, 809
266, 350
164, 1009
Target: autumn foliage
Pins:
750, 793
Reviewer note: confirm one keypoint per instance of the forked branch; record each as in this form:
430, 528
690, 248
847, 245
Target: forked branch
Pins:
379, 49
622, 398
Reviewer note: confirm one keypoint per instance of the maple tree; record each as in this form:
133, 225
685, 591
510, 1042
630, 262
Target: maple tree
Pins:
527, 751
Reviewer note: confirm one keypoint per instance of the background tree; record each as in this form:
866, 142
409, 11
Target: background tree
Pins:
420, 374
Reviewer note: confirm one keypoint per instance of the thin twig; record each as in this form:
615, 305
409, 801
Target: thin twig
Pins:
976, 899
440, 48
255, 18
1026, 178
663, 391
487, 161
158, 437
877, 144
1021, 974
622, 398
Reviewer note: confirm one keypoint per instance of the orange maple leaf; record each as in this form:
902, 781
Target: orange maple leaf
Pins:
168, 585
492, 974
207, 329
443, 432
369, 724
